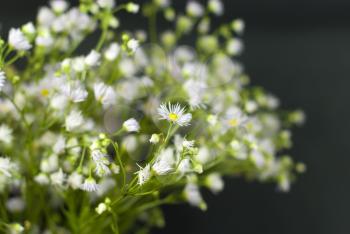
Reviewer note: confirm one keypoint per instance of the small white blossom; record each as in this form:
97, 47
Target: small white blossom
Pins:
193, 196
6, 166
102, 207
79, 64
174, 114
29, 28
44, 39
104, 94
187, 144
144, 174
132, 45
75, 180
74, 120
238, 26
2, 79
58, 178
154, 139
132, 7
101, 163
214, 182
59, 6
106, 3
15, 204
89, 185
194, 9
15, 228
131, 125
234, 47
93, 58
5, 134
42, 179
17, 40
112, 52
216, 7
164, 162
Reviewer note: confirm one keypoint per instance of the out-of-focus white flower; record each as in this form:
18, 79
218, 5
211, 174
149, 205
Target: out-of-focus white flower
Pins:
2, 79
194, 9
238, 26
60, 145
5, 134
45, 16
106, 3
58, 178
93, 58
15, 204
131, 125
89, 185
17, 40
42, 179
6, 166
216, 7
193, 196
74, 120
214, 182
235, 117
102, 207
132, 7
154, 139
234, 47
75, 180
132, 45
15, 228
187, 144
49, 164
59, 6
258, 158
174, 114
104, 94
144, 174
112, 52
79, 64
29, 28
44, 39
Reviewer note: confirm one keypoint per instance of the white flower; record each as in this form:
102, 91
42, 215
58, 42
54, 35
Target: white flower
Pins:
216, 7
79, 64
132, 7
144, 174
154, 139
164, 162
214, 182
101, 163
29, 28
193, 196
102, 207
131, 125
187, 144
235, 117
42, 179
74, 120
2, 79
112, 52
60, 145
234, 47
6, 166
89, 185
238, 26
17, 40
75, 180
44, 39
15, 228
174, 114
59, 6
258, 158
93, 58
15, 204
104, 94
58, 178
133, 44
49, 164
185, 166
106, 3
194, 9
45, 16
5, 134
75, 92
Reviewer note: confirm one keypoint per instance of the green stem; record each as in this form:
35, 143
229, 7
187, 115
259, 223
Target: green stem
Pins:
118, 156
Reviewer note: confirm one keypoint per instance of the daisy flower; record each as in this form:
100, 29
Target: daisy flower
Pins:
144, 174
131, 125
174, 114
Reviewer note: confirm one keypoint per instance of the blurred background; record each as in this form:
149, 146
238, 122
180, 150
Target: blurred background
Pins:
300, 51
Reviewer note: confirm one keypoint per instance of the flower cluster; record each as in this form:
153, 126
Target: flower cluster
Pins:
96, 142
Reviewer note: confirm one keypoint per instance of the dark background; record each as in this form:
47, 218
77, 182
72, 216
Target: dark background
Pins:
300, 51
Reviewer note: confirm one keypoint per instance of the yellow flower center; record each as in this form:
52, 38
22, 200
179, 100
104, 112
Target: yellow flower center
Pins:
44, 92
233, 122
173, 117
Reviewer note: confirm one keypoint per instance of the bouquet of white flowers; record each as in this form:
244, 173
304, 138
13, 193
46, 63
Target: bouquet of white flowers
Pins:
96, 143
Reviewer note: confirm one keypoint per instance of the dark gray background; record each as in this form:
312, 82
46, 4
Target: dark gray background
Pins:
299, 50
